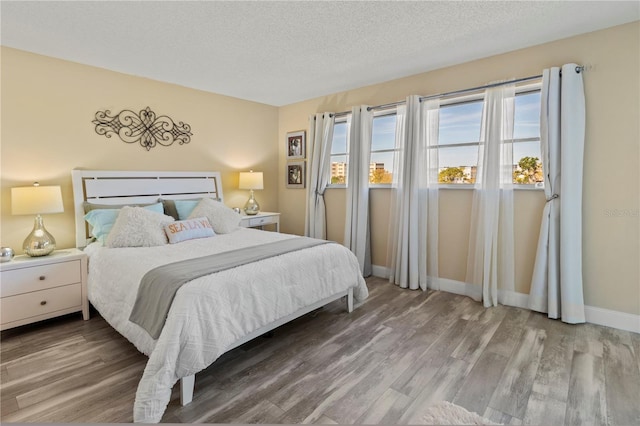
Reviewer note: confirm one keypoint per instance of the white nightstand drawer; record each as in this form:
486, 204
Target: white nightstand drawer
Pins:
35, 278
259, 221
262, 218
22, 306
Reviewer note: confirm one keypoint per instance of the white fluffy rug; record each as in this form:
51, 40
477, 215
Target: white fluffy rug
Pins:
446, 413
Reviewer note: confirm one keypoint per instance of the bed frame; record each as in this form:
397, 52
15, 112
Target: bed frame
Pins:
139, 187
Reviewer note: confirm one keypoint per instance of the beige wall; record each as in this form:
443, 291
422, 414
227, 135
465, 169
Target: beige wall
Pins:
47, 109
611, 179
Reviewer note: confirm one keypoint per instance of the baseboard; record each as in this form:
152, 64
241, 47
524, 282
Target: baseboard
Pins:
593, 314
458, 287
380, 271
614, 319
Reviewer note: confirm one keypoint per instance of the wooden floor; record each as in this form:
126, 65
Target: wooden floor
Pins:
386, 362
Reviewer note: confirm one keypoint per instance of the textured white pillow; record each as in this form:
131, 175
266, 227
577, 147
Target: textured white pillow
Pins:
137, 227
222, 218
182, 230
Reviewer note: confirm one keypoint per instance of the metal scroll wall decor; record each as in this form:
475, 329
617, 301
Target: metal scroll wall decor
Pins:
144, 128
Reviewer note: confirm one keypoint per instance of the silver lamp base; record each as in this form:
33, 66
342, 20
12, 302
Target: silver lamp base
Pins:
252, 207
39, 242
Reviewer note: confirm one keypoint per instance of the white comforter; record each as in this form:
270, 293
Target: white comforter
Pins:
210, 313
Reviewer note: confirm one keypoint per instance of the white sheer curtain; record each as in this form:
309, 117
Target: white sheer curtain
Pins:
320, 138
556, 286
490, 261
413, 225
356, 228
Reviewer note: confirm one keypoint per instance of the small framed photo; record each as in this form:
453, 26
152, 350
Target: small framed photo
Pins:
296, 145
295, 174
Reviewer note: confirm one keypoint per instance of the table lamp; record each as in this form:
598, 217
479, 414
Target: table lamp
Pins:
37, 200
250, 180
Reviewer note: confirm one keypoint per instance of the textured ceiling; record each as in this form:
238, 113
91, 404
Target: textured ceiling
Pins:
284, 52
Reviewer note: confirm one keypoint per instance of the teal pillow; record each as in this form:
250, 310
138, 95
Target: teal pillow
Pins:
102, 220
185, 207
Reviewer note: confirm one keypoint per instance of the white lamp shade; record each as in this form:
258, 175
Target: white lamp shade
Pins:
251, 180
36, 200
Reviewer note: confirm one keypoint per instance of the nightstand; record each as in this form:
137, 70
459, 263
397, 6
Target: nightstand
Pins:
260, 219
36, 288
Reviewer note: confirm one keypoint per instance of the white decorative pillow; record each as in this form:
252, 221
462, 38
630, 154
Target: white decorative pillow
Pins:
189, 229
137, 227
222, 218
101, 217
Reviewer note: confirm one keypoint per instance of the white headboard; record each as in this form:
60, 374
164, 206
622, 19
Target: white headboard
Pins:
136, 187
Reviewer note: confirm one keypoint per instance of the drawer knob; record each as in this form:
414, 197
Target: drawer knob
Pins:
41, 277
44, 302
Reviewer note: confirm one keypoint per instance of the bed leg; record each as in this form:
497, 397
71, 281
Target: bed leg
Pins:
350, 300
186, 389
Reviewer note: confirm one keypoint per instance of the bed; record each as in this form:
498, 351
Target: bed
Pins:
211, 314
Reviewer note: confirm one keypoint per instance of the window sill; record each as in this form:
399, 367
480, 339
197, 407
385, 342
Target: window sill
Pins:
520, 187
444, 186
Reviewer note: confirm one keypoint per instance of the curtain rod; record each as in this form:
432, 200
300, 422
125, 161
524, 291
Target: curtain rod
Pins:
579, 69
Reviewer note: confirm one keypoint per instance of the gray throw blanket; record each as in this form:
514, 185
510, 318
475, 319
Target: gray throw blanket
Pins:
158, 287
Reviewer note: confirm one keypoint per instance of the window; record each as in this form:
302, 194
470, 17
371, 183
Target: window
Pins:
383, 142
459, 140
383, 148
339, 153
526, 140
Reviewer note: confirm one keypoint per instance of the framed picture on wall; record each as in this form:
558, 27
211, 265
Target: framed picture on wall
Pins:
296, 174
296, 145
